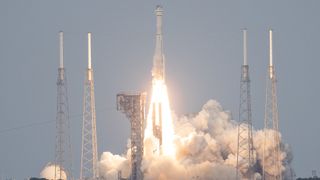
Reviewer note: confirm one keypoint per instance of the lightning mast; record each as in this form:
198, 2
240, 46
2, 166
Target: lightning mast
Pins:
245, 157
89, 155
133, 106
271, 123
63, 156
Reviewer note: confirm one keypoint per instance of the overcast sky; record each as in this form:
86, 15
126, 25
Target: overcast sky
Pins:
203, 47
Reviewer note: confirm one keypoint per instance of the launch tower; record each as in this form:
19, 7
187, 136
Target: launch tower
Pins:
63, 156
133, 106
271, 122
89, 154
245, 157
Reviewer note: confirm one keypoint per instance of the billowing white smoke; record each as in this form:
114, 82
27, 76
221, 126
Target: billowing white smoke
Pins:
206, 146
112, 166
52, 172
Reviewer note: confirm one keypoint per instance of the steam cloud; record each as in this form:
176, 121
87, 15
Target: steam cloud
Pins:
206, 147
50, 170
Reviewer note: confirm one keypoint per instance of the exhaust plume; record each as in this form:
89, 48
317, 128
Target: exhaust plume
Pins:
206, 147
51, 171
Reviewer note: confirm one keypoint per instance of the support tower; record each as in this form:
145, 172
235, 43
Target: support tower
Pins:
133, 106
245, 157
89, 154
271, 155
63, 156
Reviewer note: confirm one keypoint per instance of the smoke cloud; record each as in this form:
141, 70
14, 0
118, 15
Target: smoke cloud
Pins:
206, 147
52, 171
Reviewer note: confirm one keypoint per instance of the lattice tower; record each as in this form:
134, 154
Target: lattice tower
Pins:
271, 124
63, 152
245, 158
89, 154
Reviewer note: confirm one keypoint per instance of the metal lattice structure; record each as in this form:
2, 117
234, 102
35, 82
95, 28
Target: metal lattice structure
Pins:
133, 106
63, 155
245, 158
89, 154
271, 124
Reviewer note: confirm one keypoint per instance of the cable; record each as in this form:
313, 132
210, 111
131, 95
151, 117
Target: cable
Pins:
44, 122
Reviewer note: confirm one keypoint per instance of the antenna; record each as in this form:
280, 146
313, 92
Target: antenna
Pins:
270, 55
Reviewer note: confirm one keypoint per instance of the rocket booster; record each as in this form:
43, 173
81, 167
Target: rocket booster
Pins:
158, 69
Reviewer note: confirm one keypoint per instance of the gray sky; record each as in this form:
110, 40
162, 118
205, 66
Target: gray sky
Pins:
203, 47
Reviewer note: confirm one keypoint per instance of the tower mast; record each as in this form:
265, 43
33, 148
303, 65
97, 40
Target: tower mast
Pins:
245, 157
89, 154
271, 122
63, 155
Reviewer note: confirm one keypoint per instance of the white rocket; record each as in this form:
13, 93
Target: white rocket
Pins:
158, 70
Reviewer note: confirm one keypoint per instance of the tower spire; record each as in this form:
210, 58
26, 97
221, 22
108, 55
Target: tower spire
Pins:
89, 155
89, 50
245, 57
245, 141
158, 69
61, 49
270, 55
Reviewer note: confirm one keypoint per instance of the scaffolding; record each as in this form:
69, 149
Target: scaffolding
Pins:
133, 106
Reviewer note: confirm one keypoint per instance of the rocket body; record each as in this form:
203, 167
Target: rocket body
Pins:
158, 69
159, 126
158, 78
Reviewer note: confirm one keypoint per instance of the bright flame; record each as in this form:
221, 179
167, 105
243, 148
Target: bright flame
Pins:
160, 115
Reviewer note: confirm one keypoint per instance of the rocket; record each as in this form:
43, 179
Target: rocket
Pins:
158, 72
158, 69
